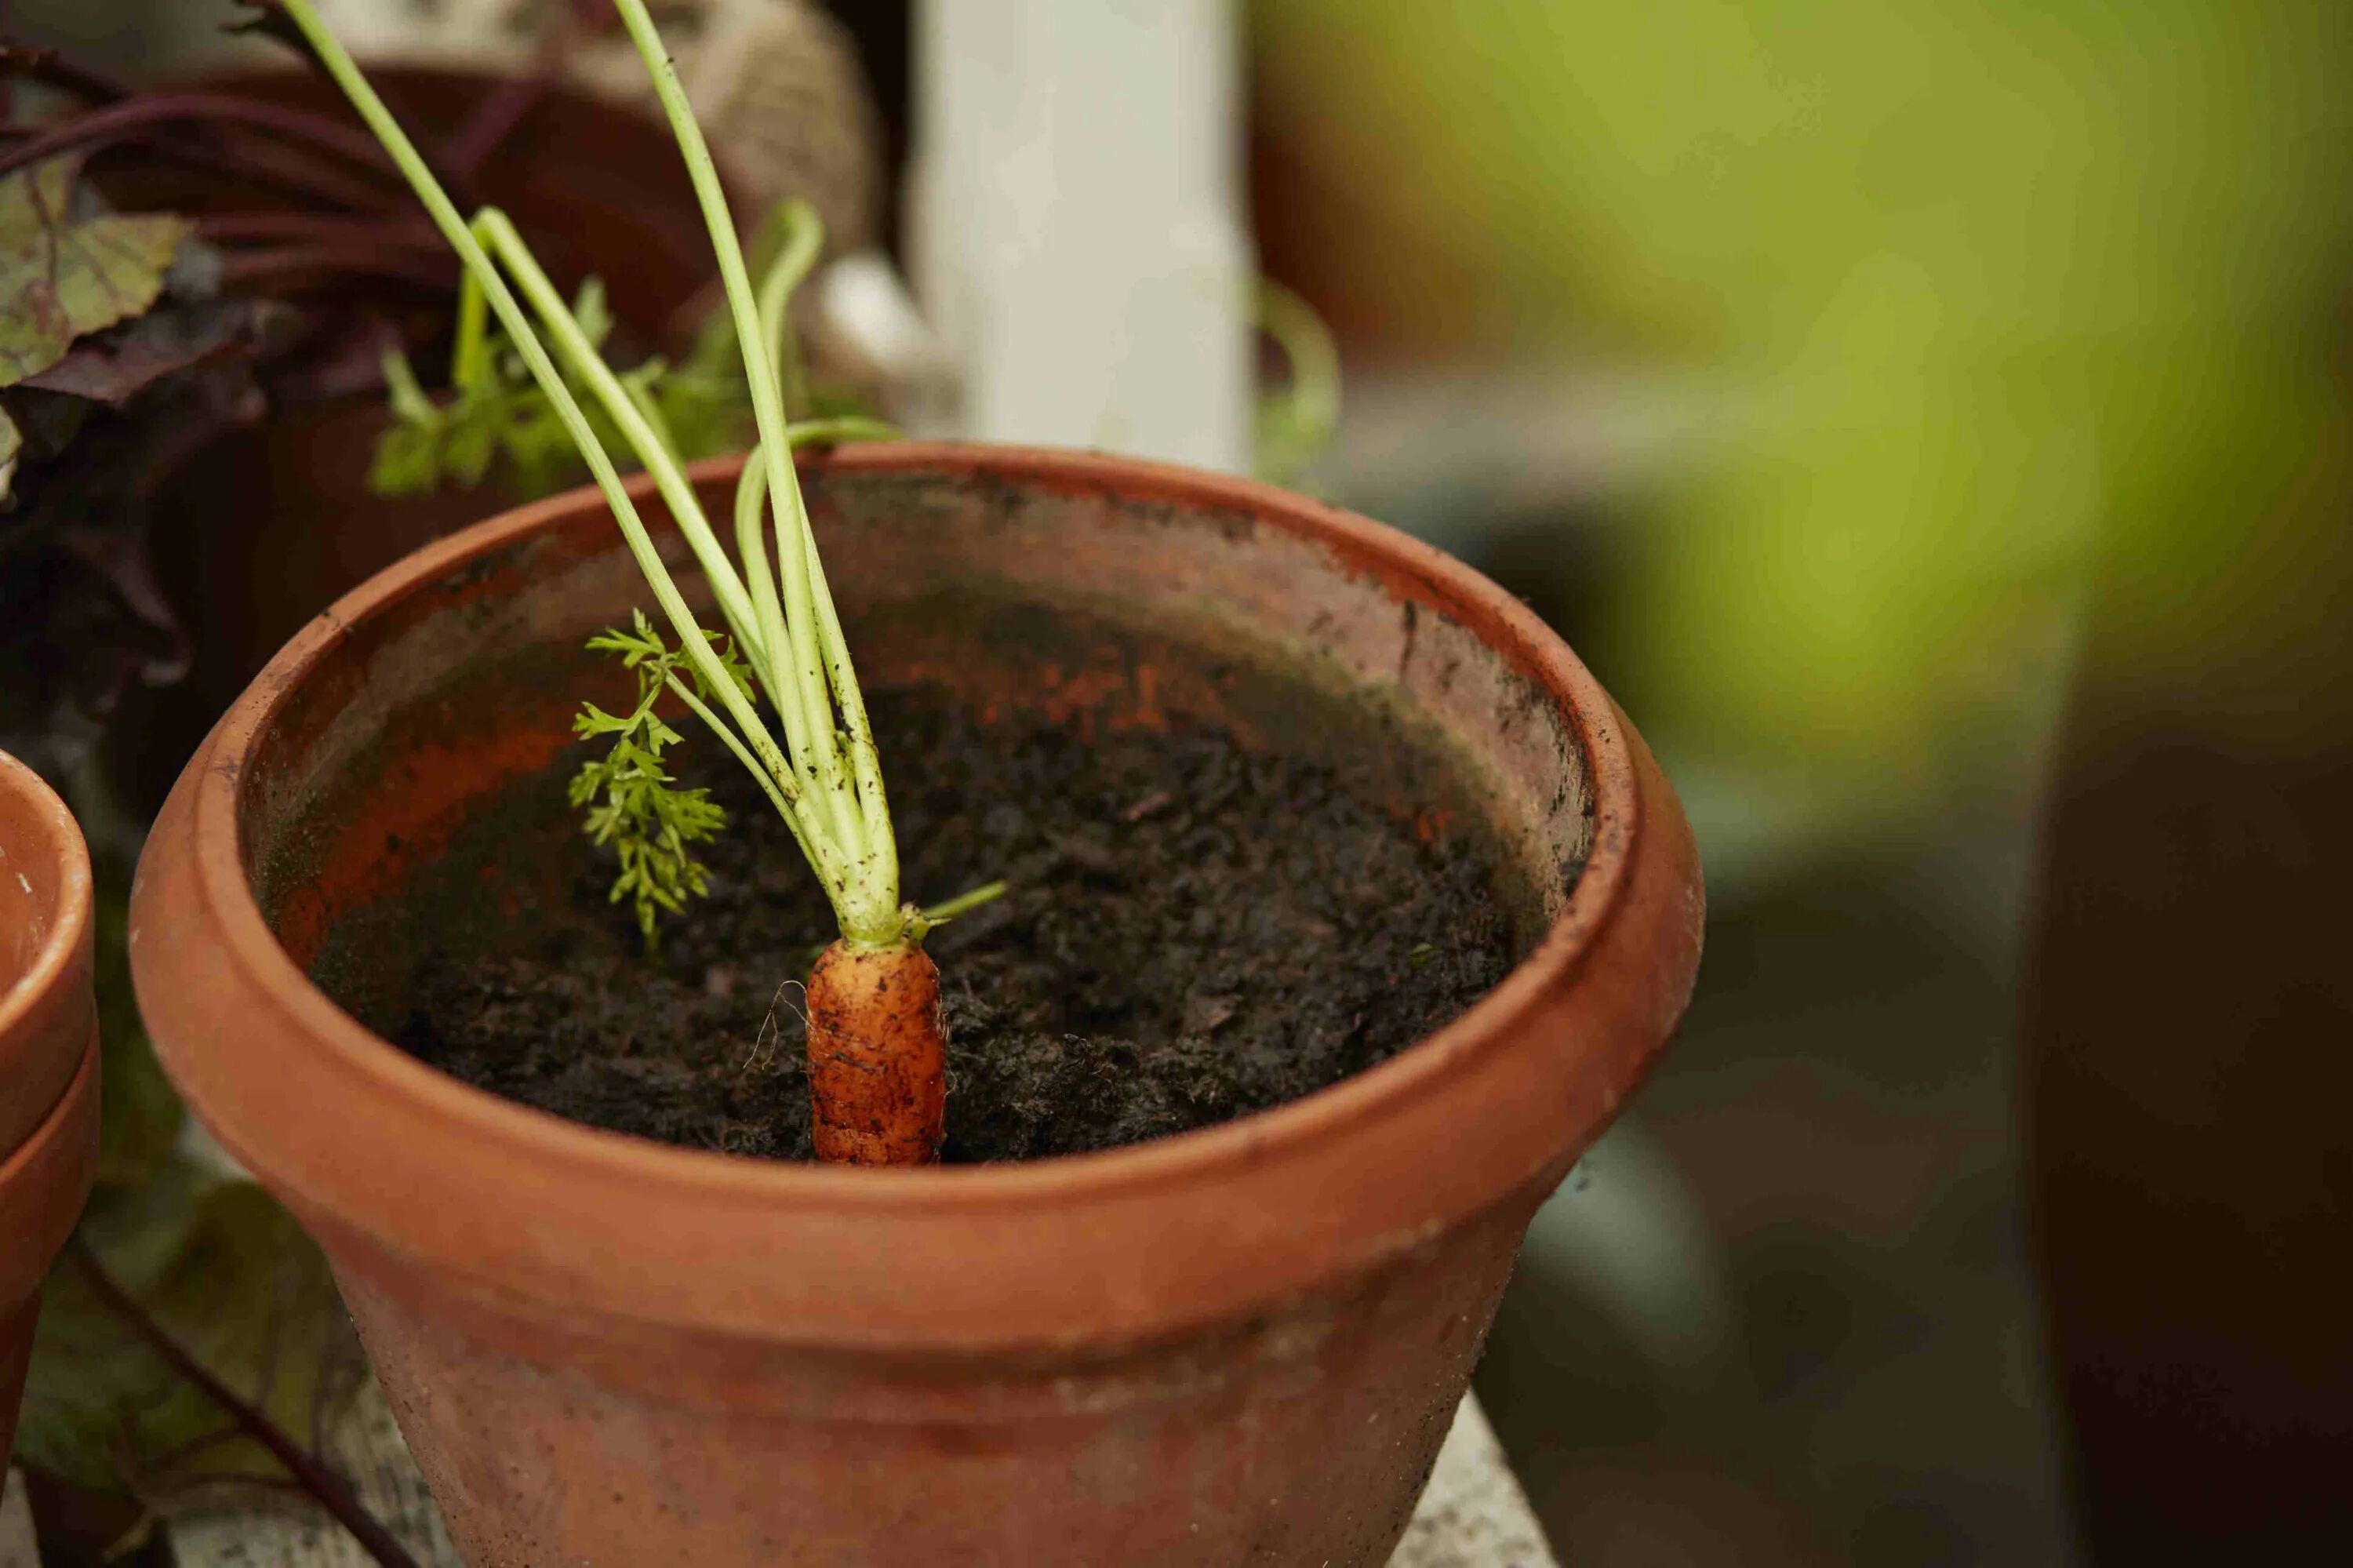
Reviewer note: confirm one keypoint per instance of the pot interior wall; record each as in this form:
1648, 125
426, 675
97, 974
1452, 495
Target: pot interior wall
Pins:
1017, 594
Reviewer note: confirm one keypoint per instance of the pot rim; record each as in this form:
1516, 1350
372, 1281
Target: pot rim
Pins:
70, 920
1162, 1237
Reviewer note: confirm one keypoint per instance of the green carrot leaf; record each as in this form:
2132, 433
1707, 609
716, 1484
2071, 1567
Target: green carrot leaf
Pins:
635, 807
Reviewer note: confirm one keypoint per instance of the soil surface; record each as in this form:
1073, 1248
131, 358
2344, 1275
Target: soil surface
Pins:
1194, 931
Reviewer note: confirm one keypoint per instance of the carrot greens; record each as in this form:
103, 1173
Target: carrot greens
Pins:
813, 755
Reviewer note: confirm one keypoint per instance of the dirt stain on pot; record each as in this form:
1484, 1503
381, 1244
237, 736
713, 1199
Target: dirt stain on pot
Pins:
1196, 930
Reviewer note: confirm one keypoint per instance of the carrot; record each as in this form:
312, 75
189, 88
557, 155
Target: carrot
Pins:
877, 1055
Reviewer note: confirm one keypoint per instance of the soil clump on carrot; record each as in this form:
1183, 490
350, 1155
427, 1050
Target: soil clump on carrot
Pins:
1196, 930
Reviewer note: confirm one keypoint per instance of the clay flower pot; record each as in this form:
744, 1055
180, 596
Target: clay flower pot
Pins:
49, 1056
1239, 1344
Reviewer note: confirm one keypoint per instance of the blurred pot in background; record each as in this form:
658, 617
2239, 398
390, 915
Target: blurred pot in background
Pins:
261, 528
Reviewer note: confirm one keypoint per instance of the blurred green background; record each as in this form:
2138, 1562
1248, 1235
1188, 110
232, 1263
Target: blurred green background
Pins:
1790, 356
1919, 289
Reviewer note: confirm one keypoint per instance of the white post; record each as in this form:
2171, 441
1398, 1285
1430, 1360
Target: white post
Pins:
1075, 228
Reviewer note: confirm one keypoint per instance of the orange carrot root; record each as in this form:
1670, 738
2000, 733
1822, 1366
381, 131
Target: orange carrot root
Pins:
877, 1056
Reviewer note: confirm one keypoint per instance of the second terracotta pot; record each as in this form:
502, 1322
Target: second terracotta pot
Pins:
49, 1056
1239, 1345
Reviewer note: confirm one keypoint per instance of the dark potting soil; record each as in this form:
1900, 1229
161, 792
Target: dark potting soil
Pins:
1195, 931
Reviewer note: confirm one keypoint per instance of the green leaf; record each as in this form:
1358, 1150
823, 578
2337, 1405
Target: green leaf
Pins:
34, 201
539, 450
63, 277
469, 442
408, 459
706, 418
594, 720
76, 278
34, 330
633, 804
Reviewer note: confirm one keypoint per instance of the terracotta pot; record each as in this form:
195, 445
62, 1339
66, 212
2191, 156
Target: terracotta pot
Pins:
1241, 1344
49, 1056
263, 529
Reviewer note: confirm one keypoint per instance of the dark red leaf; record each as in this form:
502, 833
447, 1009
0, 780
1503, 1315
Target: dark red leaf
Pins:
115, 366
